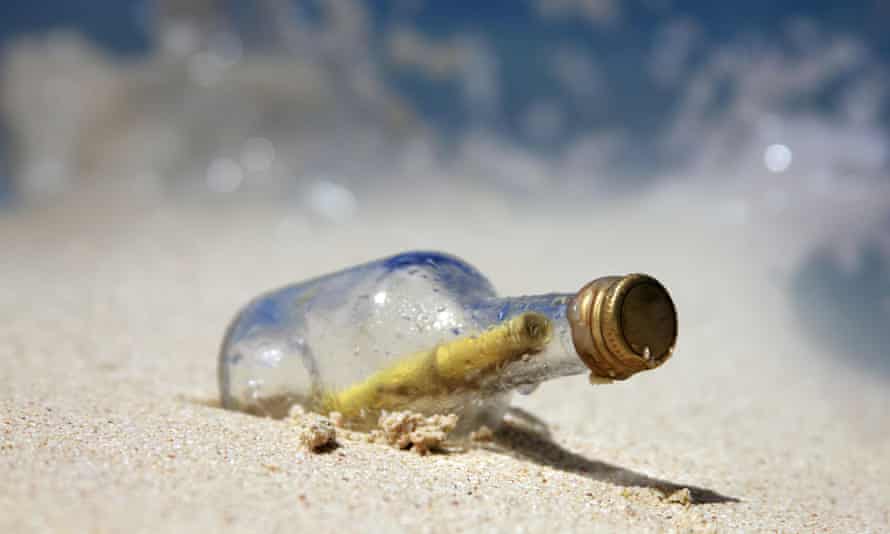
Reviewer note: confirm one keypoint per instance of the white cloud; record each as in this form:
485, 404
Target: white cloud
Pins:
502, 163
442, 60
464, 58
736, 112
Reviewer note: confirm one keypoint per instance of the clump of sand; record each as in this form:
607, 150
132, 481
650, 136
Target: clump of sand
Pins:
337, 419
681, 496
482, 434
655, 496
316, 432
411, 430
403, 430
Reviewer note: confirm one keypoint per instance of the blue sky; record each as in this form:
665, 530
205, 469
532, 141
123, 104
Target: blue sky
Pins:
524, 42
521, 38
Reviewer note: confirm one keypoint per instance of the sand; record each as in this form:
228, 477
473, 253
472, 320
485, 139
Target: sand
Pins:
109, 328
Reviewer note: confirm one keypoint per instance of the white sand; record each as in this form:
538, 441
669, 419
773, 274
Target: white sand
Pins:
109, 327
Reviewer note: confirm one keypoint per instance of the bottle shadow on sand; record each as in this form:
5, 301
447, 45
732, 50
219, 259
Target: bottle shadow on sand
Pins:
529, 442
527, 437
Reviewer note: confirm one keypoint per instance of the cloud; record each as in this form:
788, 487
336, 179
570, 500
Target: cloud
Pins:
674, 44
578, 73
466, 59
438, 60
738, 107
543, 121
599, 13
748, 98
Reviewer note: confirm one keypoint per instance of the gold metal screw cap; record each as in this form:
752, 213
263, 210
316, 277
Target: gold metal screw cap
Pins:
622, 325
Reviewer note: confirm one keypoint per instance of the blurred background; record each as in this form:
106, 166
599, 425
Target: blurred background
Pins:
739, 153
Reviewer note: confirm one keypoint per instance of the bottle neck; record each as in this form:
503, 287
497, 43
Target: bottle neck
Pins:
558, 358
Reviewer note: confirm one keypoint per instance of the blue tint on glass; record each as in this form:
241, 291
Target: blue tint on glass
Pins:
450, 270
409, 259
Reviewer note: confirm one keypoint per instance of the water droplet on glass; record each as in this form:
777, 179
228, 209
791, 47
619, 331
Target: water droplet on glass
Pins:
255, 386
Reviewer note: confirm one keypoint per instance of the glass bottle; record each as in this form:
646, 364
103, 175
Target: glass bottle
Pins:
426, 331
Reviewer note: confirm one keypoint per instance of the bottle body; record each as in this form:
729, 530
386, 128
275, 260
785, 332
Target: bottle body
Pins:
348, 331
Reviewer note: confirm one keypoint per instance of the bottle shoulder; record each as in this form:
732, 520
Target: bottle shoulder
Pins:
441, 269
414, 283
428, 258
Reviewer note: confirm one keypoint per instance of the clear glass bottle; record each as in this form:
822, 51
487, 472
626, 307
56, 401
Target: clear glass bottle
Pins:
426, 331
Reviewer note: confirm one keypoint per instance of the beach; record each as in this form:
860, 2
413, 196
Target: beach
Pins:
111, 316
